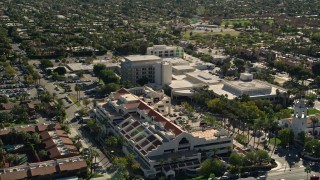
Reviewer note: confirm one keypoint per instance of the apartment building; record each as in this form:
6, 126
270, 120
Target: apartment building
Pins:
136, 67
160, 143
165, 51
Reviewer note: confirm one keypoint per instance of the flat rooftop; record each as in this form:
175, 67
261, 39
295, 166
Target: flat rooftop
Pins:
180, 84
176, 61
248, 85
256, 85
218, 89
204, 77
79, 66
207, 134
183, 67
142, 58
129, 97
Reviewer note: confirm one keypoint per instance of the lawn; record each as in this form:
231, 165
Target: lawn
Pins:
74, 100
273, 141
186, 35
241, 21
312, 111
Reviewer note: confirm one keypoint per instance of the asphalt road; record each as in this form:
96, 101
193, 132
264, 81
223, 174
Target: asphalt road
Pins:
286, 174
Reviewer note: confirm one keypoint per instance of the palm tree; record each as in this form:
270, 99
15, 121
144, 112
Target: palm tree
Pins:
93, 154
78, 88
307, 170
37, 77
314, 120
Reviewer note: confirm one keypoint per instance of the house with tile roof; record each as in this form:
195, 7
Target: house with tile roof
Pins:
65, 159
160, 145
46, 170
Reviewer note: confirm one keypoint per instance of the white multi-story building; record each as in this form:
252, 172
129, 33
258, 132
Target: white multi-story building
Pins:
135, 67
160, 144
165, 51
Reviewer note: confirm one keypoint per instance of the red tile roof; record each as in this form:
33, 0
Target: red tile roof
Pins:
29, 128
45, 170
120, 92
132, 105
4, 131
158, 117
49, 143
44, 135
70, 166
66, 140
46, 127
123, 90
62, 133
14, 175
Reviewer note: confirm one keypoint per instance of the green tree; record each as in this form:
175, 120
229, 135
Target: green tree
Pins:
284, 113
286, 136
60, 70
215, 105
210, 119
135, 166
211, 166
121, 163
43, 154
262, 156
111, 141
95, 129
202, 94
97, 68
235, 159
45, 63
143, 81
250, 159
108, 76
108, 88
